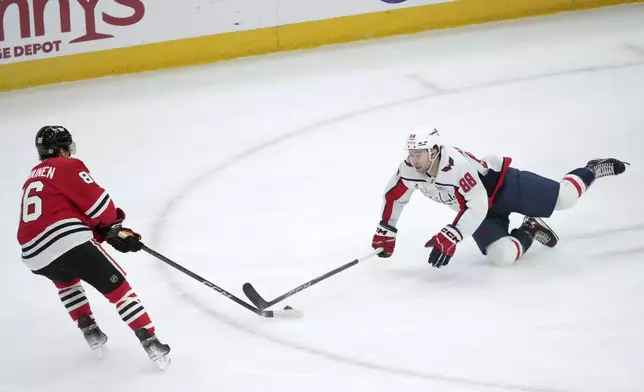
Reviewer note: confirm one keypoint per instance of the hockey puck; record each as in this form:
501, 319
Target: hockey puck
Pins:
288, 308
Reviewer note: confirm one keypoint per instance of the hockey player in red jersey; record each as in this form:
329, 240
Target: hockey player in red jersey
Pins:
65, 216
483, 192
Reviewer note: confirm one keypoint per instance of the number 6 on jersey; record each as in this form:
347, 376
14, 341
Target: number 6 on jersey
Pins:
29, 201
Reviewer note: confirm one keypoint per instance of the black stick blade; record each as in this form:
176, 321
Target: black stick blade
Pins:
254, 296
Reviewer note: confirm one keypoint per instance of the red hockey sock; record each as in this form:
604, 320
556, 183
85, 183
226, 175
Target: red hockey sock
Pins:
73, 297
130, 308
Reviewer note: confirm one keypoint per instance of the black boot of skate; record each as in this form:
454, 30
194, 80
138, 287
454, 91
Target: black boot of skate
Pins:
157, 351
606, 167
540, 231
95, 338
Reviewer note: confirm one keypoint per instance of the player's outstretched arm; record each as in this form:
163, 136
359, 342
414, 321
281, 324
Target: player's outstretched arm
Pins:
397, 194
473, 202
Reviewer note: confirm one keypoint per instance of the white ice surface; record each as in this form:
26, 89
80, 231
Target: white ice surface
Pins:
271, 170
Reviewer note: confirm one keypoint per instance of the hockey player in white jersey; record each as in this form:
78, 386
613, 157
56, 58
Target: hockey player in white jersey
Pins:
483, 193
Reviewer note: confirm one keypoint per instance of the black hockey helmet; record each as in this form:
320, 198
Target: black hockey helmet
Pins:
51, 139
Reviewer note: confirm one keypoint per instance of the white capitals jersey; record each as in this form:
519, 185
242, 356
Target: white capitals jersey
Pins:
465, 183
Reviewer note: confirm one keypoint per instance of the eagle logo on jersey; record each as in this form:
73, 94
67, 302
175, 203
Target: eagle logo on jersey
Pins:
450, 165
444, 197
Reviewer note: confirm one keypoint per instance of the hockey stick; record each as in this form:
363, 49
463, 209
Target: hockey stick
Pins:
262, 304
261, 312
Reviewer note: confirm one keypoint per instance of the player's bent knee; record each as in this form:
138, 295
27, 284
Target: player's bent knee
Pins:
568, 196
502, 252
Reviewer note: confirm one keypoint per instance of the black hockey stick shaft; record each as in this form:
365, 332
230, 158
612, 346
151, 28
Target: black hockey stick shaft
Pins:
255, 298
206, 282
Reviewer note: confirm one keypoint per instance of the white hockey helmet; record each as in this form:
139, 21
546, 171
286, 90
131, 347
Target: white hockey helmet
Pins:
423, 137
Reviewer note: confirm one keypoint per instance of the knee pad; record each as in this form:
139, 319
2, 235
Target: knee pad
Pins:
504, 251
568, 195
573, 186
122, 291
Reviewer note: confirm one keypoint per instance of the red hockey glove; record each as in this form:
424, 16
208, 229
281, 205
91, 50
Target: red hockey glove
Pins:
385, 238
103, 232
126, 241
444, 246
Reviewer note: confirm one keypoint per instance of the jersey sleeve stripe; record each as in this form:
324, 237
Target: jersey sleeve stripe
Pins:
391, 196
462, 204
99, 207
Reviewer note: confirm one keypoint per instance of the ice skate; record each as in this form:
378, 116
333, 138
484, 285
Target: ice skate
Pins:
540, 230
95, 338
157, 351
606, 167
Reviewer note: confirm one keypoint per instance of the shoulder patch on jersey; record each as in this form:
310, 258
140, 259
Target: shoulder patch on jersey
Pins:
450, 164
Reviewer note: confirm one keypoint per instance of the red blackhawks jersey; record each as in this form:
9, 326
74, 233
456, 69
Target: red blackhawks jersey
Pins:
61, 204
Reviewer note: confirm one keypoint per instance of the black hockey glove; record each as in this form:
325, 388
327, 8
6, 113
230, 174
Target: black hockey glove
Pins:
126, 241
105, 232
444, 246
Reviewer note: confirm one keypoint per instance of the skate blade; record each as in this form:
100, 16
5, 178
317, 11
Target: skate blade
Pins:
555, 239
100, 351
163, 362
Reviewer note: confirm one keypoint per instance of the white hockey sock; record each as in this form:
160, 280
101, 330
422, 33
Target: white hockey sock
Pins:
572, 188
